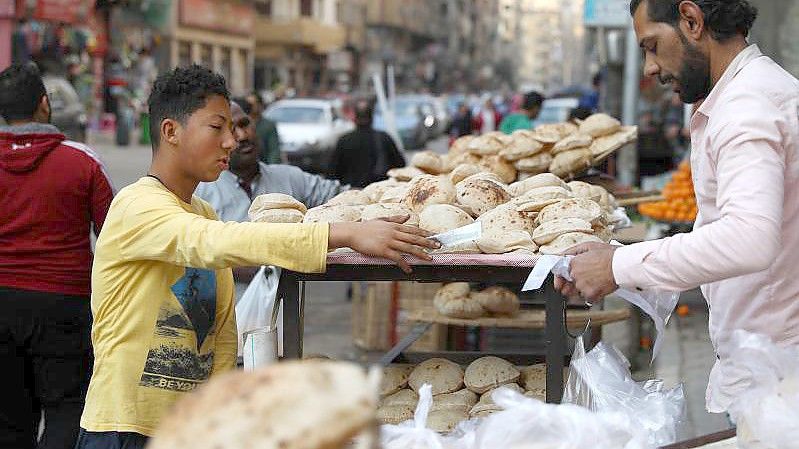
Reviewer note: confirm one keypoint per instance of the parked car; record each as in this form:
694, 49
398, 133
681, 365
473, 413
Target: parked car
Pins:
556, 110
68, 113
308, 130
411, 123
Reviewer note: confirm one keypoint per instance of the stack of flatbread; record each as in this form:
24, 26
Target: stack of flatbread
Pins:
276, 208
457, 300
567, 223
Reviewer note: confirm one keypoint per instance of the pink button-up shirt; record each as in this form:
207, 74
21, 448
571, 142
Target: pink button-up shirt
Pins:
744, 249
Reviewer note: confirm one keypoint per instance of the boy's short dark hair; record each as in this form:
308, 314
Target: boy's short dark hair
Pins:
532, 100
178, 94
21, 91
724, 18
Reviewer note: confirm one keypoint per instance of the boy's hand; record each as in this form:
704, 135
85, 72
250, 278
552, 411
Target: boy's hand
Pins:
387, 238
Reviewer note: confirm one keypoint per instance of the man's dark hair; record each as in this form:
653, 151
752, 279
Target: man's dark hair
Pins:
724, 18
532, 100
245, 105
178, 94
21, 91
580, 113
364, 112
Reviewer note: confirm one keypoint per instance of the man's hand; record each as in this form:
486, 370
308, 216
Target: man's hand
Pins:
592, 271
387, 238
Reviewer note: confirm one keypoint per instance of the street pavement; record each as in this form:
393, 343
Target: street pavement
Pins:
687, 355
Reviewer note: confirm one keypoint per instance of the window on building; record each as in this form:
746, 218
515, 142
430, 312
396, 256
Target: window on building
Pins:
306, 8
206, 56
225, 63
264, 7
184, 54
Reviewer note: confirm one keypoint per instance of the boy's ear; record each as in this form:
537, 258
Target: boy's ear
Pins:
170, 131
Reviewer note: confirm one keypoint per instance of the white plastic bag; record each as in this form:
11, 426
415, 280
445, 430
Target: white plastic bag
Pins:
256, 306
600, 380
658, 305
413, 434
767, 410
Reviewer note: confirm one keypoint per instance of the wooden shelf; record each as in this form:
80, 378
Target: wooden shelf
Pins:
526, 319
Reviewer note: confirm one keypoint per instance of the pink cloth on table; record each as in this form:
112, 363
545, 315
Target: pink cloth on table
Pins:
495, 260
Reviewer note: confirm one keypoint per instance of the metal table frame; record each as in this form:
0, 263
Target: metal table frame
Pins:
291, 291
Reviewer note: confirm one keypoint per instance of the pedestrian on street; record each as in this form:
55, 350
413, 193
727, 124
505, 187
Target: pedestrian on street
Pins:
488, 119
266, 130
462, 123
52, 191
531, 107
364, 155
745, 143
162, 286
247, 177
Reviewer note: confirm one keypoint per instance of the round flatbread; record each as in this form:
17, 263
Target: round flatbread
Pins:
445, 421
504, 218
602, 146
519, 188
534, 377
487, 373
523, 145
565, 242
395, 194
572, 208
442, 375
534, 164
506, 242
298, 404
481, 195
598, 125
500, 167
550, 230
489, 143
277, 216
404, 174
463, 171
388, 210
486, 403
572, 142
405, 396
464, 307
395, 414
562, 129
584, 190
376, 190
462, 399
537, 199
498, 300
572, 162
438, 218
426, 190
395, 378
333, 214
350, 198
428, 162
275, 201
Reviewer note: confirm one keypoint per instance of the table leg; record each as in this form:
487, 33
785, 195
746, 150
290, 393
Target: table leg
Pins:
289, 290
416, 332
555, 336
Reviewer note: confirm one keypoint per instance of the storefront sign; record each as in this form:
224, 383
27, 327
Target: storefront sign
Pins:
607, 13
218, 15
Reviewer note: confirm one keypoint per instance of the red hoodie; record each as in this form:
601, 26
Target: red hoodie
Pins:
51, 191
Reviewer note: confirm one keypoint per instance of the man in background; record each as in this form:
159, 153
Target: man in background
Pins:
265, 129
531, 107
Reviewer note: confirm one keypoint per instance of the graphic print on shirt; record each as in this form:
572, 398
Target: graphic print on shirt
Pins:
176, 360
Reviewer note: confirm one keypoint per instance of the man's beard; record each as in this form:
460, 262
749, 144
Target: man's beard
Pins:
694, 78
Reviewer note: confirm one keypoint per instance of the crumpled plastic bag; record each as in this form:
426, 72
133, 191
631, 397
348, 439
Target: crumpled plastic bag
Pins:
413, 434
600, 380
767, 410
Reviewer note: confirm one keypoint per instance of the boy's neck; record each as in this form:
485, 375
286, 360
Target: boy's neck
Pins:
173, 180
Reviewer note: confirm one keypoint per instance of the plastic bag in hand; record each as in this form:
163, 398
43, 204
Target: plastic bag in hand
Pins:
413, 434
530, 424
600, 380
767, 407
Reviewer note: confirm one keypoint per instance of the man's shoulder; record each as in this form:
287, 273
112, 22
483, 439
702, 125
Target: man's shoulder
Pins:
82, 152
760, 81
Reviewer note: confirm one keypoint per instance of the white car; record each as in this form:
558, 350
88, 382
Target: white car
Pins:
308, 131
556, 110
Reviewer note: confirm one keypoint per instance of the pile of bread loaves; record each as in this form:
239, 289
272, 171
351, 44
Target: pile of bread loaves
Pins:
458, 395
541, 214
457, 300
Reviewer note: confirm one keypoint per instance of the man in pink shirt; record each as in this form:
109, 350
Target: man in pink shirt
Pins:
744, 249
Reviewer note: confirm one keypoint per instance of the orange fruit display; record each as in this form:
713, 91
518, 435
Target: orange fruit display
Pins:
679, 203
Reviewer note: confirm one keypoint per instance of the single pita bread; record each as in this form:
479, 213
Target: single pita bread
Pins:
572, 208
534, 377
519, 188
489, 372
466, 158
572, 142
535, 164
438, 218
498, 300
504, 218
376, 190
305, 404
565, 242
454, 290
426, 190
463, 171
395, 414
598, 125
461, 399
481, 195
388, 210
275, 201
403, 397
547, 137
464, 307
394, 194
445, 421
489, 143
484, 175
572, 162
405, 173
538, 394
562, 129
277, 216
333, 214
350, 198
536, 199
395, 378
486, 403
460, 145
605, 145
500, 167
550, 230
506, 242
469, 247
428, 162
442, 375
523, 145
583, 190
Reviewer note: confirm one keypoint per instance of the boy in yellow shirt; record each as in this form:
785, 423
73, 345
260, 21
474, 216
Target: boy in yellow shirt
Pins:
162, 286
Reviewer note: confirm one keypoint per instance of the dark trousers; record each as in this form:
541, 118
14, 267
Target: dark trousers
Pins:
45, 352
110, 440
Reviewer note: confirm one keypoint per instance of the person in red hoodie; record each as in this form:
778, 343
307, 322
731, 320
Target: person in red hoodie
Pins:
51, 192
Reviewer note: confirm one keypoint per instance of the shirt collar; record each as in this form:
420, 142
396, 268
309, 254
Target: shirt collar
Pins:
746, 56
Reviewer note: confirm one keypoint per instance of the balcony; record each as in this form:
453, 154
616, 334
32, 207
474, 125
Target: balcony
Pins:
304, 31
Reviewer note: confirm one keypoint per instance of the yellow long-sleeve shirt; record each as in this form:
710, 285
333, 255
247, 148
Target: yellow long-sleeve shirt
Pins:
162, 299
